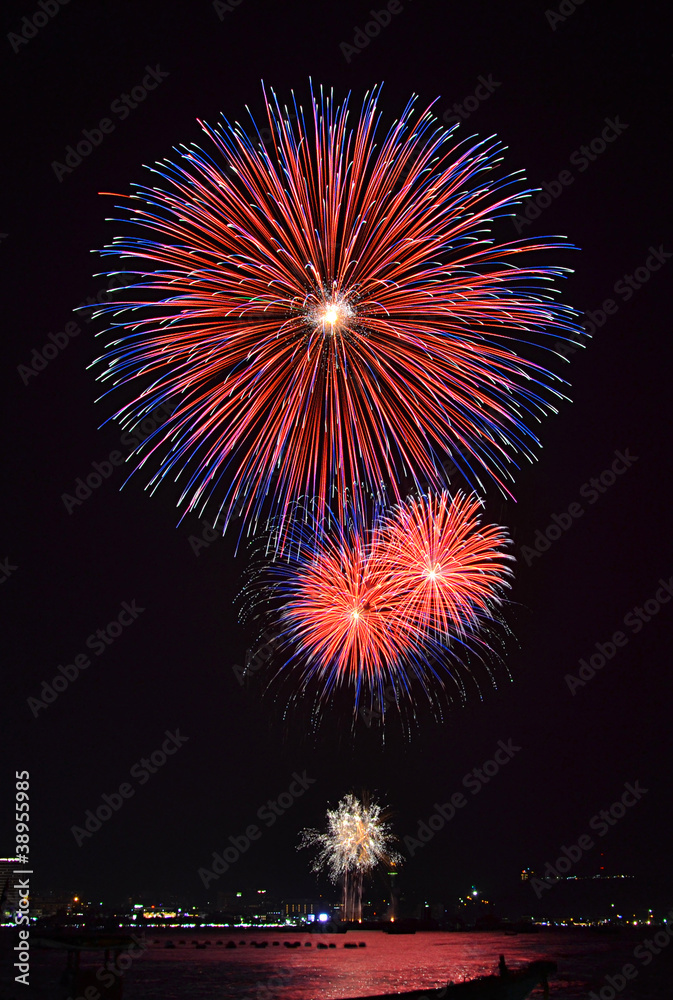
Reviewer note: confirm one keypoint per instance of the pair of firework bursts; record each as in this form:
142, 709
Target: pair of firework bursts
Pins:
324, 313
373, 608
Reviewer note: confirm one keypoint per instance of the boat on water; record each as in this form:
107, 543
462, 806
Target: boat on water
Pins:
508, 985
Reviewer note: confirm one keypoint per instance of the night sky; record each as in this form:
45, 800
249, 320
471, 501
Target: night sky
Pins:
553, 85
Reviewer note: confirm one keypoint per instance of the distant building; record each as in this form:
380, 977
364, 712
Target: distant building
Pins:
249, 905
48, 904
9, 899
394, 901
262, 907
581, 897
299, 908
229, 901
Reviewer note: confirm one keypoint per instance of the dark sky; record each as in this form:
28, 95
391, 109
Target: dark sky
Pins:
558, 81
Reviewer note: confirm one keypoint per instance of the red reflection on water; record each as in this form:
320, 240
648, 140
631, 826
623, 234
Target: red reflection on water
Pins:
388, 963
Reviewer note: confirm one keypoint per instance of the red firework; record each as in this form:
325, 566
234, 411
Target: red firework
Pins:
329, 314
450, 572
341, 611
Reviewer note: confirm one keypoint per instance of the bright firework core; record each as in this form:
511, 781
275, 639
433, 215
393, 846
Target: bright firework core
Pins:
333, 313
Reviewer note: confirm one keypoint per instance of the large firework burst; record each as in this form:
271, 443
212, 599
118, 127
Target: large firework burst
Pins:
328, 314
399, 603
358, 838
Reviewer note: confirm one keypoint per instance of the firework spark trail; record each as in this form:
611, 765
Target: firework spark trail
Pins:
332, 310
358, 839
